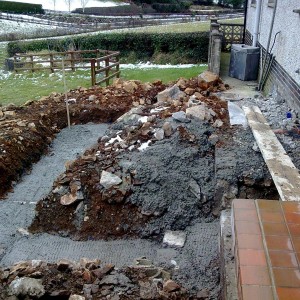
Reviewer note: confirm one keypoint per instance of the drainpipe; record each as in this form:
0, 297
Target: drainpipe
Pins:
268, 45
256, 22
245, 20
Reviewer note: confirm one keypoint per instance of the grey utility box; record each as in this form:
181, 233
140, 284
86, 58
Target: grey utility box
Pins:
244, 62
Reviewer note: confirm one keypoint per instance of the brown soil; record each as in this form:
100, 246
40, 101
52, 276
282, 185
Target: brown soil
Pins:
26, 131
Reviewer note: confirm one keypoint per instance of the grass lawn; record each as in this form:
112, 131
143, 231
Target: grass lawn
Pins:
18, 88
232, 21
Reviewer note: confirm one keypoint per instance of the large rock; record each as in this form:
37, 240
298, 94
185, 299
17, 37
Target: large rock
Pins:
168, 130
180, 116
68, 199
174, 238
24, 287
195, 189
130, 86
193, 101
207, 79
132, 116
76, 297
108, 179
148, 290
159, 134
170, 94
200, 113
171, 286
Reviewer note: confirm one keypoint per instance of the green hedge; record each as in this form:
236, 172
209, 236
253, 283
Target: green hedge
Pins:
20, 7
192, 47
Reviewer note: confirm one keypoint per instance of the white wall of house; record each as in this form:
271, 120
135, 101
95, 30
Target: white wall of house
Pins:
287, 46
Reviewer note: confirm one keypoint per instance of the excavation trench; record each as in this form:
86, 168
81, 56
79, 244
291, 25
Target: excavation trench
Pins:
179, 182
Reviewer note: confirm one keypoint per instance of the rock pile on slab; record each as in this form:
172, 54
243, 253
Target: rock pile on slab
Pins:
88, 279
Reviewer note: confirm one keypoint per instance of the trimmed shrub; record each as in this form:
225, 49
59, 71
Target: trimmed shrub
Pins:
21, 8
192, 46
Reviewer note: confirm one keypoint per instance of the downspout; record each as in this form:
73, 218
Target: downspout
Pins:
245, 20
268, 45
256, 22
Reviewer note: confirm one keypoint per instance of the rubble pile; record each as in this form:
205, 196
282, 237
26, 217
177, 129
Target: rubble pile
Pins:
26, 131
109, 193
88, 279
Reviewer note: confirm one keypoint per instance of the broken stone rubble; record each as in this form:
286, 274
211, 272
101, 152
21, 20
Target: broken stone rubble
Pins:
87, 279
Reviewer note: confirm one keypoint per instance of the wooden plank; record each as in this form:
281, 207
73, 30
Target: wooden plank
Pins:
284, 173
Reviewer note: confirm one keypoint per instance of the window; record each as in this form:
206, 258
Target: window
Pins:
253, 2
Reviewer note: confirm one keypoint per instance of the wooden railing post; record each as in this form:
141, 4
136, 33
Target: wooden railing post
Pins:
15, 64
51, 63
93, 71
118, 66
97, 56
72, 61
107, 71
32, 63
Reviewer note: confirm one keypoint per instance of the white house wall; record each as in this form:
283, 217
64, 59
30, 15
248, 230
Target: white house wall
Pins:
287, 46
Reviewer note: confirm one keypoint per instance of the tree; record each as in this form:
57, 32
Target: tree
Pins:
232, 3
68, 2
83, 4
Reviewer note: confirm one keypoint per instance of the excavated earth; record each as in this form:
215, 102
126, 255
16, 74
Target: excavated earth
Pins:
170, 167
26, 131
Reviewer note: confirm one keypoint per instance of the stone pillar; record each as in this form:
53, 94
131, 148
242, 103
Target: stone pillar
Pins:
215, 46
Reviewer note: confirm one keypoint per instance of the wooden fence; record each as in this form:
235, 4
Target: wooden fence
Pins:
34, 20
99, 61
232, 34
111, 64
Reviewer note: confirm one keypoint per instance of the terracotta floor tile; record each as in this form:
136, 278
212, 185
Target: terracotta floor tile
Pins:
255, 275
294, 229
252, 257
269, 205
288, 293
296, 242
290, 206
246, 215
286, 277
279, 243
244, 203
247, 227
272, 217
275, 229
255, 292
250, 241
283, 259
292, 217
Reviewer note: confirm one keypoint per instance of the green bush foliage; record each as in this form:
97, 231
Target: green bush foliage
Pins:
191, 47
20, 7
231, 3
167, 6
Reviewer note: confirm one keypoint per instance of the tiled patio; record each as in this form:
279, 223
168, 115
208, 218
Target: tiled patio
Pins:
267, 249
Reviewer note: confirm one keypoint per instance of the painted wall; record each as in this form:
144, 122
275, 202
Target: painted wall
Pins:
287, 45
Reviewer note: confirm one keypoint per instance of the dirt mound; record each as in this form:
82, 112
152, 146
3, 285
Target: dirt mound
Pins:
180, 163
26, 131
88, 279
